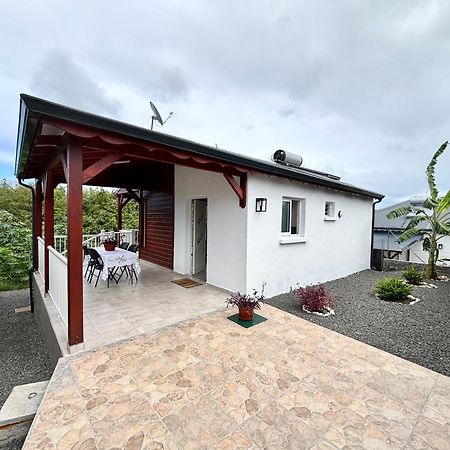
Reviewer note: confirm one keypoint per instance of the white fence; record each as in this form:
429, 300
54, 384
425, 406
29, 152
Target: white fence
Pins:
95, 240
58, 282
41, 256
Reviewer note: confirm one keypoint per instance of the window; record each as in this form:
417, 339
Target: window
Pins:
329, 211
293, 217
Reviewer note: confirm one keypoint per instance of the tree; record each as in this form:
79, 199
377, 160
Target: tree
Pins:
99, 212
431, 219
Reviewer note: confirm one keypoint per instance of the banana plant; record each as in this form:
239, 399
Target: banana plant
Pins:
430, 219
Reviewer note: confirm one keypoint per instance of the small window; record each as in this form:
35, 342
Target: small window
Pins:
329, 210
292, 217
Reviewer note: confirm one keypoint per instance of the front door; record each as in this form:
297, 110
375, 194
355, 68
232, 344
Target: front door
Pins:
199, 237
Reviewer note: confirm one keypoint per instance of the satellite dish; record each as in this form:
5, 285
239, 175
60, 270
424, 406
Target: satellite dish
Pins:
157, 116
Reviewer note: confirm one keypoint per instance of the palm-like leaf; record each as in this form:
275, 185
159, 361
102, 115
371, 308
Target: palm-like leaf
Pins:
399, 212
434, 193
444, 204
442, 228
408, 234
415, 221
434, 211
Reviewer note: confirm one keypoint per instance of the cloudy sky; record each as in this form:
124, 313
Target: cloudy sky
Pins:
358, 88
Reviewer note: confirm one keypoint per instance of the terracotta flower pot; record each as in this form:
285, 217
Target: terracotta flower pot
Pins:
246, 313
109, 246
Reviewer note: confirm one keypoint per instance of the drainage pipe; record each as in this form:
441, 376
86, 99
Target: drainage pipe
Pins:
373, 226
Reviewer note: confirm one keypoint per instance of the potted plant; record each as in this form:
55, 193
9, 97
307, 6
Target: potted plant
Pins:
110, 244
246, 303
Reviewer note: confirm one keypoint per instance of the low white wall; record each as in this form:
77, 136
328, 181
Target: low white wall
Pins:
333, 249
58, 282
418, 255
41, 256
226, 222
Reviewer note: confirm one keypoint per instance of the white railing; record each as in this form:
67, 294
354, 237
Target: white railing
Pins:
58, 282
41, 256
95, 240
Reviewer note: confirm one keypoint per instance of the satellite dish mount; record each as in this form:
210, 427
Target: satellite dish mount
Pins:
157, 116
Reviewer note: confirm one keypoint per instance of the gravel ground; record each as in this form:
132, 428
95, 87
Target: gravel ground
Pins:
419, 333
23, 354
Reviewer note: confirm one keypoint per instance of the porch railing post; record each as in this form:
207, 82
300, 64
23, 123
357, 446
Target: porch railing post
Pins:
49, 222
75, 242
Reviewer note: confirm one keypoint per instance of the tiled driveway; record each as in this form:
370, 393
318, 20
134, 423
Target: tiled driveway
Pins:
208, 383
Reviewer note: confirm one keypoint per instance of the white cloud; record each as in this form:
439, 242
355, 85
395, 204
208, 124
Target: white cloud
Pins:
358, 88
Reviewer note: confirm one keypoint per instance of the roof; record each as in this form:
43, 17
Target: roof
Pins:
387, 240
35, 111
399, 223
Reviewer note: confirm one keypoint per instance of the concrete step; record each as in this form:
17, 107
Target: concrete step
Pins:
19, 410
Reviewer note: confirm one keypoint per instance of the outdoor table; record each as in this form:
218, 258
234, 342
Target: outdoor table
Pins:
117, 258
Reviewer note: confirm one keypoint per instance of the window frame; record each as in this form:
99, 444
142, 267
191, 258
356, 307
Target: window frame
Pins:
300, 219
332, 205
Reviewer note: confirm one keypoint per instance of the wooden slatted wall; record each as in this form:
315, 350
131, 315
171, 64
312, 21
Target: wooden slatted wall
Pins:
158, 211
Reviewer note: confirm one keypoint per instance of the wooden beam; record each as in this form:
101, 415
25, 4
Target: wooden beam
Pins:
240, 188
38, 199
134, 195
49, 223
100, 166
243, 184
75, 242
55, 160
119, 211
64, 165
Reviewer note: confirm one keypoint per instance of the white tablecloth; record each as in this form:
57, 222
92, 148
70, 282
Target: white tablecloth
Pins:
117, 258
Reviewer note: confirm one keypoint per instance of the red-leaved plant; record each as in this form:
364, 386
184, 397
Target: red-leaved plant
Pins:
246, 301
314, 298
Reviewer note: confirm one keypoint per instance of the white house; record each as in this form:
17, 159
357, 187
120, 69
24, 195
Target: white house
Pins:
387, 231
237, 222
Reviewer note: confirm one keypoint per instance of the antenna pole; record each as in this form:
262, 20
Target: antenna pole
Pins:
168, 117
153, 118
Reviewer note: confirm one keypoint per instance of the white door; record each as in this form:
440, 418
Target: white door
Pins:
199, 232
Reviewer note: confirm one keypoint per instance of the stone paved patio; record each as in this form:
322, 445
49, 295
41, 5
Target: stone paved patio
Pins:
208, 383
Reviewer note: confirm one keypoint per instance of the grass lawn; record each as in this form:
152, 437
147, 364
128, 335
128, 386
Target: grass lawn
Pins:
419, 333
6, 285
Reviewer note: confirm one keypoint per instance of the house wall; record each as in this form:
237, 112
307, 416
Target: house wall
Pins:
333, 249
226, 232
418, 255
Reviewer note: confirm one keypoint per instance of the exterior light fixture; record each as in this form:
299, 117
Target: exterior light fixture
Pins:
340, 214
440, 246
261, 205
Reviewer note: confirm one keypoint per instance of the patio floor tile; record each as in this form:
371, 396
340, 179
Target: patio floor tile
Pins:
209, 384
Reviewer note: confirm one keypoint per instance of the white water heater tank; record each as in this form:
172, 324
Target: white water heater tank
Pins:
289, 159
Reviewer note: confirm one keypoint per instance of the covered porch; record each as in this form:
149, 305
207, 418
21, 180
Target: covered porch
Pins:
126, 310
59, 145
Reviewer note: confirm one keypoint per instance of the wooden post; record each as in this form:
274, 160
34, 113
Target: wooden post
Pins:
37, 220
142, 219
49, 222
119, 212
75, 241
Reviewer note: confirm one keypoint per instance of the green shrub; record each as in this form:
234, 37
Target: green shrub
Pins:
412, 275
392, 289
15, 252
